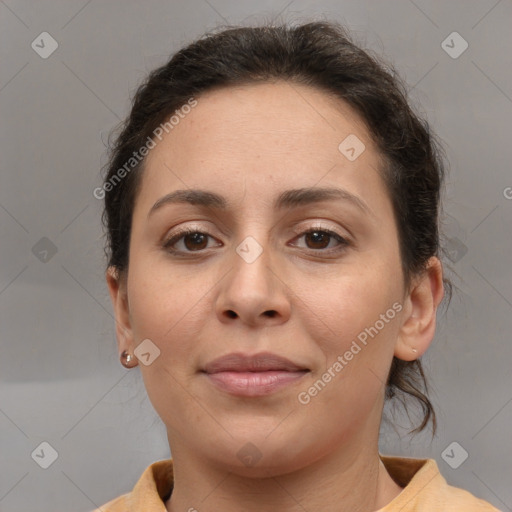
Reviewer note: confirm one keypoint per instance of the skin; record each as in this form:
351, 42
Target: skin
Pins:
249, 144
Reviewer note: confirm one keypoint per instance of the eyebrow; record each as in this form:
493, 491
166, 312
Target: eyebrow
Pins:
286, 200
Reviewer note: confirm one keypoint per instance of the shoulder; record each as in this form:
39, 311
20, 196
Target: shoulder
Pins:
426, 490
118, 504
460, 500
149, 493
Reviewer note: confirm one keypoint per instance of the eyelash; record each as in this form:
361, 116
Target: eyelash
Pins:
343, 242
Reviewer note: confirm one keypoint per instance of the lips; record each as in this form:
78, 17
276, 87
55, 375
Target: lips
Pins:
252, 376
263, 362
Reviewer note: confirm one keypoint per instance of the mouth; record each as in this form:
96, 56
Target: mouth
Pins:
253, 375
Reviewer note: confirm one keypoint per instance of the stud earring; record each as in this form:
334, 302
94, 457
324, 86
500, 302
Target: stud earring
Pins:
127, 360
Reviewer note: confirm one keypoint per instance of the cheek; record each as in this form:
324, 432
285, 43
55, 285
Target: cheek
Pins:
162, 292
342, 305
165, 309
165, 312
353, 326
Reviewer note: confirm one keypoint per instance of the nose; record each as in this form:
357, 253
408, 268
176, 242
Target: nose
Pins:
253, 292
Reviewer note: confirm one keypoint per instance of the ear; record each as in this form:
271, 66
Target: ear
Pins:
420, 308
118, 296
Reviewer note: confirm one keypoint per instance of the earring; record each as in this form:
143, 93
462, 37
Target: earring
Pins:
127, 360
414, 350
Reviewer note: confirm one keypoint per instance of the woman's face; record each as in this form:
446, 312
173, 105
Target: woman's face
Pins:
252, 280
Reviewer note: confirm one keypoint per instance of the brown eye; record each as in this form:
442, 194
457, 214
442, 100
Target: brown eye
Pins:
194, 241
320, 239
191, 241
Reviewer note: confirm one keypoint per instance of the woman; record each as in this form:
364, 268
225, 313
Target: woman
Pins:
271, 206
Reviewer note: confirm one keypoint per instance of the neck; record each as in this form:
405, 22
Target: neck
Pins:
353, 478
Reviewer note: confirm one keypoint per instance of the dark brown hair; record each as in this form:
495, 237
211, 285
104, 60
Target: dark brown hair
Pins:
321, 55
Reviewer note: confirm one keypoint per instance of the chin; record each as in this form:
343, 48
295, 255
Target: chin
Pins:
260, 456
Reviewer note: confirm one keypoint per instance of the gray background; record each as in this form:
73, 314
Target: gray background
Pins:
61, 380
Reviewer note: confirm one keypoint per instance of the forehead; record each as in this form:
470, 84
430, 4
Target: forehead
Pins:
281, 112
268, 135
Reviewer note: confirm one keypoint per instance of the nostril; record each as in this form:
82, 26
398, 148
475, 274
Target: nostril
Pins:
231, 314
271, 313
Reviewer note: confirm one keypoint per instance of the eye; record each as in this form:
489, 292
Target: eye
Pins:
192, 240
320, 239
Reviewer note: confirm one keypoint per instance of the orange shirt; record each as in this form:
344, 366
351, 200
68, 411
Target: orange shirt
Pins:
425, 490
